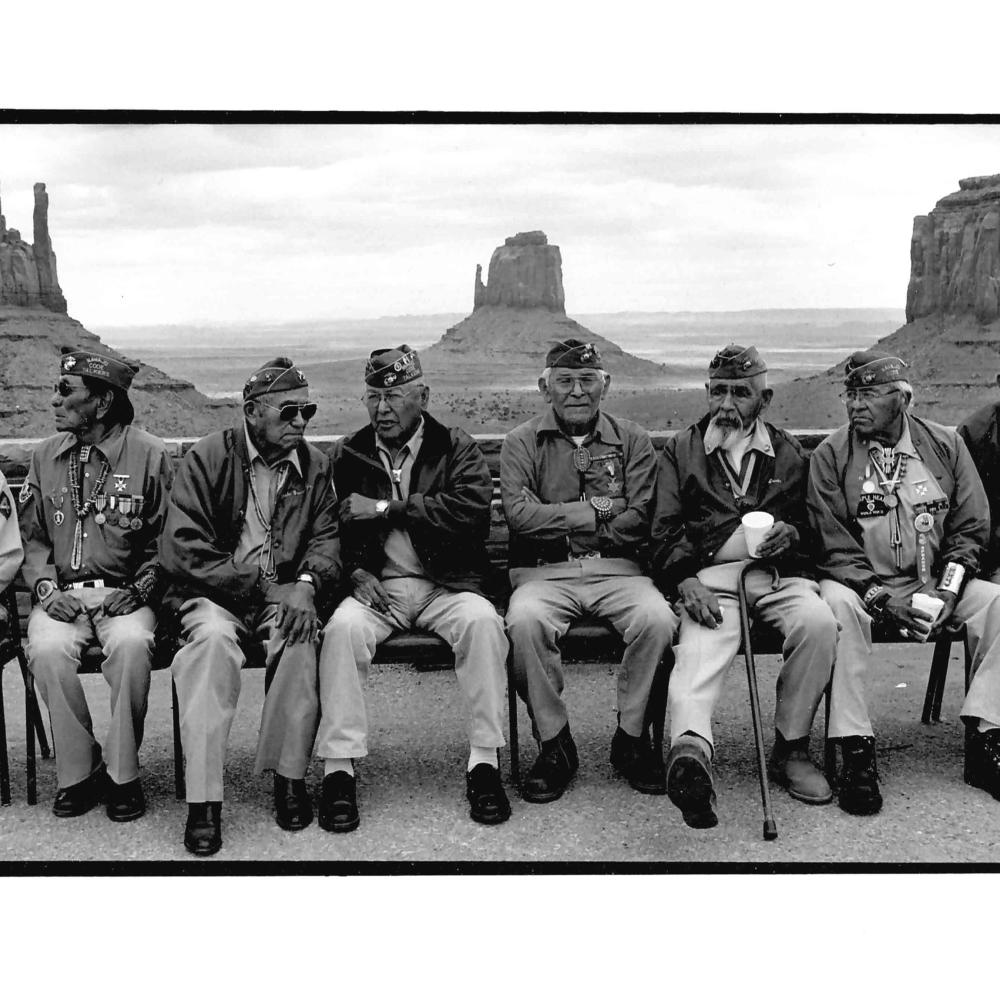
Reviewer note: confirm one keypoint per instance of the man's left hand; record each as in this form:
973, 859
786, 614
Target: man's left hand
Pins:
121, 602
778, 540
297, 621
358, 508
948, 611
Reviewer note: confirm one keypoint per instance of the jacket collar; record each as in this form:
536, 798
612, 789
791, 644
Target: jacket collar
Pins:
604, 430
436, 441
760, 440
253, 453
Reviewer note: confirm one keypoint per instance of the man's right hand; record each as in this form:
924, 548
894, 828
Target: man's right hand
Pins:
899, 612
63, 606
369, 591
700, 602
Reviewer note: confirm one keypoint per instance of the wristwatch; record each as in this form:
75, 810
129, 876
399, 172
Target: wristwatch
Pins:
44, 589
381, 506
307, 577
602, 505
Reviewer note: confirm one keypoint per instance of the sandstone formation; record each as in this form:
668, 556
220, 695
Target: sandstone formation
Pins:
951, 339
28, 271
955, 254
517, 315
34, 326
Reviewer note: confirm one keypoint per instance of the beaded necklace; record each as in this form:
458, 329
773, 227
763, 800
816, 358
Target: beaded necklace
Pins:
80, 508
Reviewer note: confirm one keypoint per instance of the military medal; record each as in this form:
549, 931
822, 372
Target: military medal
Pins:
891, 500
137, 503
100, 502
121, 482
923, 522
58, 517
868, 486
581, 459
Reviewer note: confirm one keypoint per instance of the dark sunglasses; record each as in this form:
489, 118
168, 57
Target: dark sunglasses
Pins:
289, 411
63, 388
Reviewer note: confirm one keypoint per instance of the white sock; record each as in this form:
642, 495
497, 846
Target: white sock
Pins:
331, 764
985, 726
482, 755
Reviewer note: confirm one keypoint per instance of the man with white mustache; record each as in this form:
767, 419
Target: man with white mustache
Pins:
709, 476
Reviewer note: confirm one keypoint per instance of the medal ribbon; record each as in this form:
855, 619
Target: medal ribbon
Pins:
741, 485
890, 475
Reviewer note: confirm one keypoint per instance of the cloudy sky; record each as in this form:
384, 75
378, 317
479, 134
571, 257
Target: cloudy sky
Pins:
202, 223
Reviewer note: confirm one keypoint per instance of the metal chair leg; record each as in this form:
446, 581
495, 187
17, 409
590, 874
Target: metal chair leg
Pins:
36, 712
936, 680
180, 786
515, 752
968, 728
770, 827
30, 711
829, 746
4, 760
656, 710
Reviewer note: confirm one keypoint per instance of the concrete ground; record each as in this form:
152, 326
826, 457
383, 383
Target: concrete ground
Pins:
411, 788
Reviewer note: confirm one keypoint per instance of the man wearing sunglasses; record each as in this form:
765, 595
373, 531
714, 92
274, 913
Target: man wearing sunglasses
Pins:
92, 510
415, 512
577, 490
251, 546
902, 516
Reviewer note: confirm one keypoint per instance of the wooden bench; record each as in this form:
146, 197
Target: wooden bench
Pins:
587, 641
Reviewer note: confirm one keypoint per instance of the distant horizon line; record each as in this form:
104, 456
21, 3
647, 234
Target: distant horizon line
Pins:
435, 315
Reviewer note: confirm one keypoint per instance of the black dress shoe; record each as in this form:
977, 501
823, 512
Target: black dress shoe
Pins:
203, 832
338, 804
292, 805
983, 766
857, 786
81, 797
486, 796
125, 802
634, 758
552, 771
689, 784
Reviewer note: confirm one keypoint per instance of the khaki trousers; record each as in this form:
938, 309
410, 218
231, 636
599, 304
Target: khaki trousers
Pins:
466, 621
978, 608
703, 655
540, 613
206, 671
54, 652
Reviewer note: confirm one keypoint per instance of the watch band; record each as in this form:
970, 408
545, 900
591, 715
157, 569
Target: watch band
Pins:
44, 589
307, 577
381, 507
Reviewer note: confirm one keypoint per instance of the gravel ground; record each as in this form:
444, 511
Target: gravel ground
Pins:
411, 788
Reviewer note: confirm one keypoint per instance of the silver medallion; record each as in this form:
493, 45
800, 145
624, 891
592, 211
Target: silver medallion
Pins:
868, 486
99, 518
582, 459
124, 521
923, 522
135, 523
891, 500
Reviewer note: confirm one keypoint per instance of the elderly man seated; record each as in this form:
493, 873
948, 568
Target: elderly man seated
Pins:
901, 511
710, 475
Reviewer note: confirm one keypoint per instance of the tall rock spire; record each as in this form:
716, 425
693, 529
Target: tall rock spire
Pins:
28, 272
49, 292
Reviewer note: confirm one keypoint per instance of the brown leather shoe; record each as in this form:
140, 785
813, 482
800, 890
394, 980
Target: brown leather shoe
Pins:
790, 767
689, 782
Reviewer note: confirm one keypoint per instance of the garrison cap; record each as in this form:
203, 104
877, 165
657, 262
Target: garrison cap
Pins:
736, 362
118, 372
572, 354
390, 366
278, 375
872, 367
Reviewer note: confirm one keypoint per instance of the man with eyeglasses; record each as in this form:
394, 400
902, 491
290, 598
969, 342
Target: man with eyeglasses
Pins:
251, 546
729, 463
415, 515
91, 510
901, 517
577, 490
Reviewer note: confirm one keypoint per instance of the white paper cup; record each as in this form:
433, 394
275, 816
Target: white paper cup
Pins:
756, 525
930, 605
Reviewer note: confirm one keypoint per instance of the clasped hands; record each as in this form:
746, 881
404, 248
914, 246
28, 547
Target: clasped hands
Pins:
65, 606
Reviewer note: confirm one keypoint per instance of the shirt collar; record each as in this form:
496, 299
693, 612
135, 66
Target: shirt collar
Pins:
760, 440
111, 447
413, 442
604, 430
255, 456
904, 446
